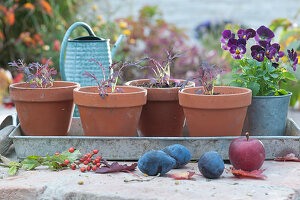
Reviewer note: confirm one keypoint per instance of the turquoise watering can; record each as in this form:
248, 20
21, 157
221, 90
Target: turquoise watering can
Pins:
76, 54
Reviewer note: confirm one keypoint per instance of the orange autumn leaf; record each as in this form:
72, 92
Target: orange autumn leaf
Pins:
29, 6
182, 176
256, 174
46, 6
289, 157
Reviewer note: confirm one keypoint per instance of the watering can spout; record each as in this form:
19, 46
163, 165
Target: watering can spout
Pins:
118, 42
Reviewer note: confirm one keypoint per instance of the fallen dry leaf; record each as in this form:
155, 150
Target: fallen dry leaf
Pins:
115, 167
289, 157
257, 174
182, 176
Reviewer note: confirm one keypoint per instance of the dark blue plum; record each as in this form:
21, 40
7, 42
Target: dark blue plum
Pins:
180, 153
156, 161
211, 165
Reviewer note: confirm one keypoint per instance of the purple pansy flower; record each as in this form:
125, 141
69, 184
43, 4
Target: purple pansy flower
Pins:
246, 34
258, 53
293, 58
226, 36
264, 33
237, 48
270, 50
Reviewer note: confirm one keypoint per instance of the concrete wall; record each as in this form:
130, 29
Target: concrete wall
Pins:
189, 13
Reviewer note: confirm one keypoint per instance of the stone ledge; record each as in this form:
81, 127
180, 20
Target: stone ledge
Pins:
282, 183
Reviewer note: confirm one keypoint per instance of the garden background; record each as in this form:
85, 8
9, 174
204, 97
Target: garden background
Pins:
33, 30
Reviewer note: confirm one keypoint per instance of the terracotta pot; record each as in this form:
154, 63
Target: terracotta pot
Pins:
114, 115
162, 116
44, 111
215, 115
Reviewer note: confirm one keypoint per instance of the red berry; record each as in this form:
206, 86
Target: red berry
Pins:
85, 157
90, 155
81, 160
71, 150
98, 157
63, 165
89, 159
67, 162
85, 162
82, 169
98, 164
73, 166
95, 151
94, 162
57, 153
88, 168
94, 168
97, 160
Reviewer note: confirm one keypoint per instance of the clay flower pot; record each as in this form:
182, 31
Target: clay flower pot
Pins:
44, 111
162, 116
114, 115
215, 115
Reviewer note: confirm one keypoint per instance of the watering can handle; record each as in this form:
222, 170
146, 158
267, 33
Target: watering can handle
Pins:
64, 45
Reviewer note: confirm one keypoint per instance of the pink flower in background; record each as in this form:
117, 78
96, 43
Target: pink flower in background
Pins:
56, 46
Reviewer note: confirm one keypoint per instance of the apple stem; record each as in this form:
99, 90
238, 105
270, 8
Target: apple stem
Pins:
247, 135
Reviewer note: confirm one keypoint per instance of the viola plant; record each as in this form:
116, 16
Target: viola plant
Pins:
161, 70
36, 74
107, 84
266, 68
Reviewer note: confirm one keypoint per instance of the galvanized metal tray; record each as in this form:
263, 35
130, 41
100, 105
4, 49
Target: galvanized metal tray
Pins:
132, 148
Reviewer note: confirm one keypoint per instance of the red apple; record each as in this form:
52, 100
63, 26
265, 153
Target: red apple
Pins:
246, 153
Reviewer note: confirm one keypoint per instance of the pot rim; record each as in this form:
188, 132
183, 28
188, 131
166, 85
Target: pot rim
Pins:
271, 97
141, 90
246, 91
16, 86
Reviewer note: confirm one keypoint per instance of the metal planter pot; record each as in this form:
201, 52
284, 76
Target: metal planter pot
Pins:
267, 115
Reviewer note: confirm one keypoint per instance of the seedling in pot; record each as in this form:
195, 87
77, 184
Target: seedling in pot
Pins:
161, 71
36, 74
107, 83
206, 77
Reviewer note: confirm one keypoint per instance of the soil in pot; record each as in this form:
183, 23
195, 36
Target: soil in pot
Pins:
215, 115
44, 111
162, 116
117, 114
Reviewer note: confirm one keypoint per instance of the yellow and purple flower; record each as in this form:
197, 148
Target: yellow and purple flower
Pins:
237, 48
246, 34
258, 53
226, 36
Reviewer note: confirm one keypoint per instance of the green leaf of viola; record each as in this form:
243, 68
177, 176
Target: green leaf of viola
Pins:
289, 76
237, 84
13, 170
254, 87
274, 75
281, 92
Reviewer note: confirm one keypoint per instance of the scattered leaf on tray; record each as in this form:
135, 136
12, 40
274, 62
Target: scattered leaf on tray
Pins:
115, 167
289, 157
256, 174
182, 176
